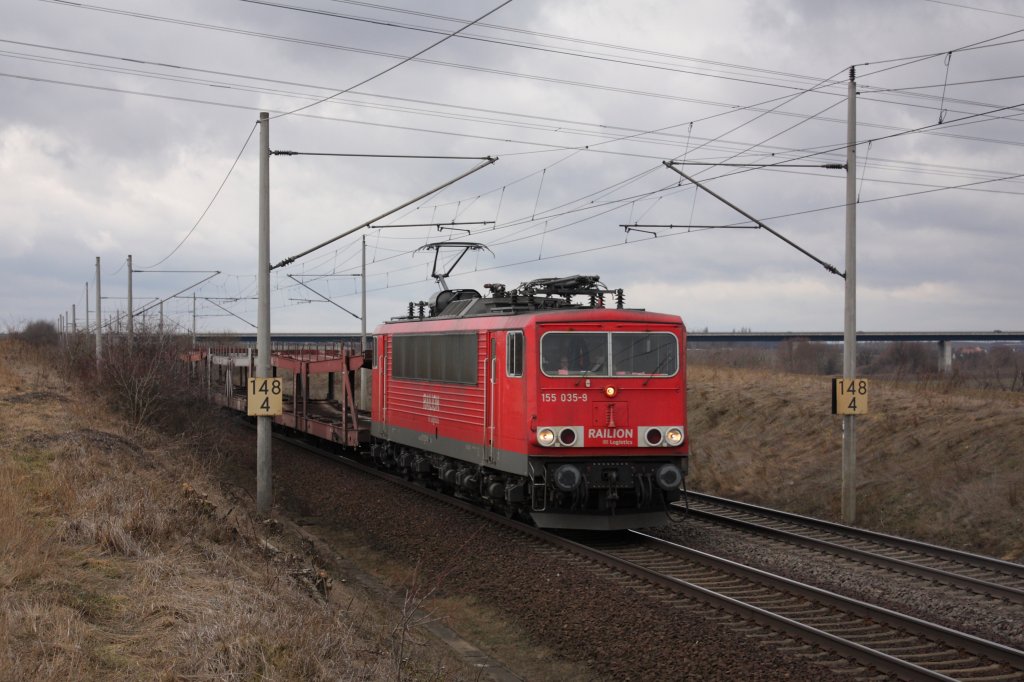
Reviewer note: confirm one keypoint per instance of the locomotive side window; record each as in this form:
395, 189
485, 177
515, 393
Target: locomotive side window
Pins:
514, 354
588, 354
448, 358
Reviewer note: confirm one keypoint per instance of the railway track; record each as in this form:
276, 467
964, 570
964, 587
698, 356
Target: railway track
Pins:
979, 574
841, 634
879, 639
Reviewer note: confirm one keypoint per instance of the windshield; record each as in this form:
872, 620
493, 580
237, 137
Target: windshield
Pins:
587, 353
644, 354
574, 353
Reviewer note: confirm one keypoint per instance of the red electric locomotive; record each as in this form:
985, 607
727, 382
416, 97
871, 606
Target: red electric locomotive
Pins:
571, 414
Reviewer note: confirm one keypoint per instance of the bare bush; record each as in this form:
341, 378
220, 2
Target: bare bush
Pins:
747, 356
144, 378
902, 359
77, 358
1001, 367
799, 356
802, 356
38, 333
146, 381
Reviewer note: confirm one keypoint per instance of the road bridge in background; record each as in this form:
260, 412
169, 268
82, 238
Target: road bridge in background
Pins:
945, 340
349, 339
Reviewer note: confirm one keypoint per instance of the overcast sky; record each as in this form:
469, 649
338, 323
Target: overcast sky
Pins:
120, 121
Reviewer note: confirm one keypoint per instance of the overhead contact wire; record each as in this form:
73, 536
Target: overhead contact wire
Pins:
212, 200
395, 66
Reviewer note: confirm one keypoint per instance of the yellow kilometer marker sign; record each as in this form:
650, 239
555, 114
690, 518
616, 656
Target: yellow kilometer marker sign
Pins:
849, 396
265, 397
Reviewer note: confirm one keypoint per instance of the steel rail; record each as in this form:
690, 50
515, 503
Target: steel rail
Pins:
863, 655
820, 638
976, 585
999, 569
932, 634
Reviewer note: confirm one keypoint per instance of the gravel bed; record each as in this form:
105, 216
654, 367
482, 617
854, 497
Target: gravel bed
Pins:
955, 608
567, 606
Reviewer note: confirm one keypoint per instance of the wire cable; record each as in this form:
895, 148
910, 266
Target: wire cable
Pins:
395, 66
976, 9
979, 45
520, 45
639, 135
908, 61
619, 244
212, 200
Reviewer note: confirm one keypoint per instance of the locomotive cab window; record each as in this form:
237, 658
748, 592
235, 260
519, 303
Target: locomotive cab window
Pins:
514, 354
630, 354
644, 354
574, 353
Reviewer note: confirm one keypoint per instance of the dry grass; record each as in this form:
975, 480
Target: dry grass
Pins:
934, 462
120, 560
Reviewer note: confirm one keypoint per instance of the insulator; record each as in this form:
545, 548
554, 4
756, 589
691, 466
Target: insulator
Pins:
422, 305
411, 309
620, 298
593, 301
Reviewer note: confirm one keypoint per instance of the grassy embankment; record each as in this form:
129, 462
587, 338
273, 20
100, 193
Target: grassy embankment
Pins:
934, 462
122, 557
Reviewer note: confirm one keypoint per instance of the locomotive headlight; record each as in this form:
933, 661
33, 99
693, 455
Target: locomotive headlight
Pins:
567, 477
669, 476
546, 437
674, 436
611, 391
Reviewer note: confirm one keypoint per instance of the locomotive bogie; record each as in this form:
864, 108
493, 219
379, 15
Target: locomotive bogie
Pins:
590, 494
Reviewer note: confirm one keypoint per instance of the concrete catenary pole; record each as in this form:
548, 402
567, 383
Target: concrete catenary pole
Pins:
849, 466
130, 312
99, 321
362, 287
87, 307
74, 319
364, 373
264, 494
193, 319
